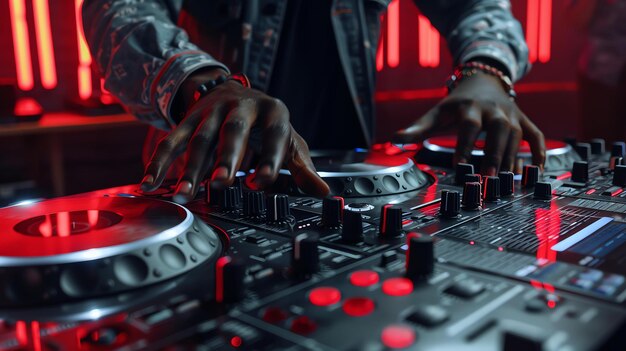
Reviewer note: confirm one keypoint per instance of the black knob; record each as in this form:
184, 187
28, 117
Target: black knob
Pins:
450, 203
507, 180
522, 339
461, 170
580, 172
615, 161
583, 150
597, 146
619, 176
278, 209
543, 191
231, 199
473, 178
492, 189
471, 196
530, 176
390, 222
570, 140
420, 256
254, 204
332, 211
352, 231
213, 195
618, 149
305, 259
229, 279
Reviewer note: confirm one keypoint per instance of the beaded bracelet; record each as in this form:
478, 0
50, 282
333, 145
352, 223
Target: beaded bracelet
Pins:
207, 86
469, 69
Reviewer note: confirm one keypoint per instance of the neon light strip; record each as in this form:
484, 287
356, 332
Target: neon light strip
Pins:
545, 31
422, 37
21, 48
84, 57
379, 53
582, 234
393, 34
47, 65
532, 28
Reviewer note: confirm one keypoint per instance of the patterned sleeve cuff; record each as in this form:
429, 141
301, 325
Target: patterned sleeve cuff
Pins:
172, 74
497, 51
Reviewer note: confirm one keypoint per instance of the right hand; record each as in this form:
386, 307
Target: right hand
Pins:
214, 134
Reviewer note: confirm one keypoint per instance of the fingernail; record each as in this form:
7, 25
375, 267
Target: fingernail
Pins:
490, 171
221, 173
183, 192
265, 171
147, 182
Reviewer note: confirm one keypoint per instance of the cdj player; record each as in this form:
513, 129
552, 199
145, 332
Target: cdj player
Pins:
405, 254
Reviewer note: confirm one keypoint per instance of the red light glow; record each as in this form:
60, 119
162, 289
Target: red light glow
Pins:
84, 57
45, 47
219, 278
364, 278
397, 286
358, 306
393, 34
398, 336
21, 333
324, 296
428, 45
36, 336
236, 341
21, 47
63, 224
545, 31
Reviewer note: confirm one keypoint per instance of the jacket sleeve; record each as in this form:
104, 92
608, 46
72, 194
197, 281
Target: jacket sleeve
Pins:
143, 56
480, 29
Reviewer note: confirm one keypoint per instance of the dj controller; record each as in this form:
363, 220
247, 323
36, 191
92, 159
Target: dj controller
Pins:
407, 253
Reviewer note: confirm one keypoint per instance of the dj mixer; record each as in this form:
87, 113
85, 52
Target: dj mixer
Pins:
406, 253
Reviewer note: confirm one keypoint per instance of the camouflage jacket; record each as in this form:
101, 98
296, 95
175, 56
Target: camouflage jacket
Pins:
146, 48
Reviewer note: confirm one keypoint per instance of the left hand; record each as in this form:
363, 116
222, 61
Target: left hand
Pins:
480, 103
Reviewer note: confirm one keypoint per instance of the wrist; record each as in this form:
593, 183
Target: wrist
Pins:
474, 69
184, 97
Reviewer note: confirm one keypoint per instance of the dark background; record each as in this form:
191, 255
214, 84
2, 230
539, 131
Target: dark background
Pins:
406, 89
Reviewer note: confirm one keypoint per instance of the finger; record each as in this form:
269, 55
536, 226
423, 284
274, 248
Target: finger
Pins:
275, 140
535, 139
418, 130
199, 155
302, 169
498, 129
167, 150
232, 142
510, 153
469, 129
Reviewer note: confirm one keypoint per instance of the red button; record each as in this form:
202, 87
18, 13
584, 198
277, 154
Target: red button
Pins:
324, 296
364, 278
274, 315
358, 306
398, 286
398, 336
303, 325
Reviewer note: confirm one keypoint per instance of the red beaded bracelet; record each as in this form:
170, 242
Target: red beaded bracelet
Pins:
469, 69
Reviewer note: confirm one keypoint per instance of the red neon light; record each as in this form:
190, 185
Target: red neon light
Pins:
36, 336
393, 34
379, 54
45, 228
545, 31
532, 28
92, 217
21, 333
21, 48
84, 57
47, 65
428, 45
63, 224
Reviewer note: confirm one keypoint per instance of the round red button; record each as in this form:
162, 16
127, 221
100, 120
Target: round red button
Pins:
398, 336
358, 306
397, 286
364, 278
303, 325
324, 296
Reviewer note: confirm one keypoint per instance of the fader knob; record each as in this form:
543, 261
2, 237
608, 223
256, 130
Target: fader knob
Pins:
420, 258
461, 170
492, 189
615, 161
618, 149
332, 211
530, 176
507, 180
471, 196
229, 279
580, 172
278, 208
597, 146
583, 150
619, 176
305, 259
254, 204
450, 205
352, 231
473, 178
231, 199
390, 222
543, 191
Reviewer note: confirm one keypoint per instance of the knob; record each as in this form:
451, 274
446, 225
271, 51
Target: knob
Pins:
570, 140
213, 195
580, 172
450, 203
583, 150
332, 211
461, 170
543, 191
473, 178
305, 259
254, 204
278, 209
231, 199
530, 176
597, 146
229, 280
352, 231
618, 149
506, 183
471, 196
492, 189
420, 258
619, 177
390, 222
615, 161
522, 338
